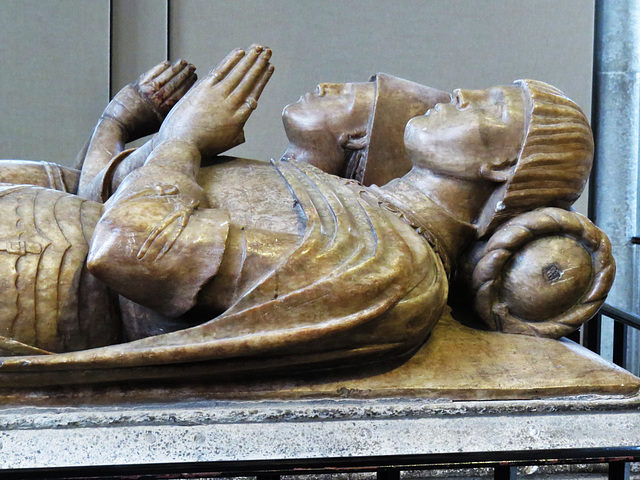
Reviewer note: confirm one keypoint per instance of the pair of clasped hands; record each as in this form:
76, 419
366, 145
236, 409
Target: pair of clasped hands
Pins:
211, 113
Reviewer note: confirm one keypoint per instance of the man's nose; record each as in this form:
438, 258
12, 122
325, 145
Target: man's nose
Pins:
462, 98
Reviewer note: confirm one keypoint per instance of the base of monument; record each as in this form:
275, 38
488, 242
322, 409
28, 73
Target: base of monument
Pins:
465, 391
237, 436
456, 363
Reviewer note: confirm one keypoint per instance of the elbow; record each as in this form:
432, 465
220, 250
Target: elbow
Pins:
110, 258
98, 259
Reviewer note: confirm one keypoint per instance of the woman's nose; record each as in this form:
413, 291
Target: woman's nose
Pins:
330, 88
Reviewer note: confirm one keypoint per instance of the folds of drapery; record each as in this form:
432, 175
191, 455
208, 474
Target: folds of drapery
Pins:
361, 279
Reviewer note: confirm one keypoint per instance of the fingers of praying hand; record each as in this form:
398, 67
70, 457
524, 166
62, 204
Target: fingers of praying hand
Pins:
212, 114
242, 78
166, 83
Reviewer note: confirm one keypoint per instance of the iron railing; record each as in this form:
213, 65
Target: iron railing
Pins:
386, 468
591, 333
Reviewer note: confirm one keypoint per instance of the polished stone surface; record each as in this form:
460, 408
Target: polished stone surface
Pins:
171, 262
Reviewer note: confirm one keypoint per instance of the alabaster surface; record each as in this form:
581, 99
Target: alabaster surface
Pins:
172, 261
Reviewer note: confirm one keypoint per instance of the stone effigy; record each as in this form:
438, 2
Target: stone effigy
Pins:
171, 260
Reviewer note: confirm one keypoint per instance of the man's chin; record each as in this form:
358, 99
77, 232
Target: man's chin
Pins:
328, 160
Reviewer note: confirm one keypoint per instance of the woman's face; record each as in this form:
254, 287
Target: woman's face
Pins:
317, 122
477, 129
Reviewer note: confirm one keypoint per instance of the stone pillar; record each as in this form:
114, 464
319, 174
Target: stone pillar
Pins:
616, 122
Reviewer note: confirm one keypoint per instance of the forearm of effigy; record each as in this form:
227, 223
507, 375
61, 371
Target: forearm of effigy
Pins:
108, 140
157, 242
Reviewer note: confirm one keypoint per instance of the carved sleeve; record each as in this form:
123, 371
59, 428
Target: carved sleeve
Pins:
156, 244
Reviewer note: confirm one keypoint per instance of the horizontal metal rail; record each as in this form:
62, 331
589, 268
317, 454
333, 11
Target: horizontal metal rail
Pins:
388, 467
627, 318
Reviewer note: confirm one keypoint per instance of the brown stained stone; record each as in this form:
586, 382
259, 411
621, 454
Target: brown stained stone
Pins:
462, 363
456, 363
170, 263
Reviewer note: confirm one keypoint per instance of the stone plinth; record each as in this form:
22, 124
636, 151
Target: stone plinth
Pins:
465, 391
218, 431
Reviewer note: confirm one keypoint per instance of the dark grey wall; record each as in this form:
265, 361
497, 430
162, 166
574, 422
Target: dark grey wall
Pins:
54, 76
57, 54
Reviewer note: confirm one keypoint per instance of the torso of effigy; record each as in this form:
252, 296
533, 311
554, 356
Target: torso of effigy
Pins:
270, 206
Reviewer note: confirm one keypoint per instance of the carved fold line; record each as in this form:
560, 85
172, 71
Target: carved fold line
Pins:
48, 299
318, 286
237, 279
308, 244
184, 220
328, 221
9, 189
390, 258
87, 223
290, 269
25, 206
386, 286
14, 321
178, 219
71, 262
348, 205
54, 175
331, 245
36, 325
63, 287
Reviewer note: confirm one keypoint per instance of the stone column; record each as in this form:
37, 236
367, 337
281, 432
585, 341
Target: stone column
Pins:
616, 122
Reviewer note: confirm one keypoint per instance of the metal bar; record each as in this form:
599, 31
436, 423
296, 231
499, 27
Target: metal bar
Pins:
388, 474
620, 344
591, 334
574, 336
622, 316
592, 208
333, 465
505, 472
619, 471
268, 476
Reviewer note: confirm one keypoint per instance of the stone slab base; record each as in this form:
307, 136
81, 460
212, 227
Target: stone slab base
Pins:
465, 391
217, 431
456, 363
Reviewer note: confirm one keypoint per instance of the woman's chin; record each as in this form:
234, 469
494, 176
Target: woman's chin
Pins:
329, 160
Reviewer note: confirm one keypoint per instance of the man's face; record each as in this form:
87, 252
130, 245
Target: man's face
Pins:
478, 127
318, 124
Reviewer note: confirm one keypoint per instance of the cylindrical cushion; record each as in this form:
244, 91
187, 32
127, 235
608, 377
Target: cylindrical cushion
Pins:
543, 273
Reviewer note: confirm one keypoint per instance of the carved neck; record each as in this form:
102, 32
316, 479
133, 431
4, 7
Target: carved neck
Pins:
462, 199
444, 206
